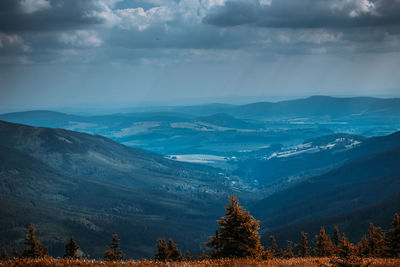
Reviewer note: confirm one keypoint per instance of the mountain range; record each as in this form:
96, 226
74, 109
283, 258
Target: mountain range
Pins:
289, 162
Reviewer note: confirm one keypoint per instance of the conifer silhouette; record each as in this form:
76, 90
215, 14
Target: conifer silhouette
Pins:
71, 249
363, 247
346, 248
346, 254
162, 250
187, 256
3, 254
16, 253
336, 239
323, 245
114, 253
376, 245
302, 249
273, 250
393, 237
174, 253
237, 236
288, 252
33, 248
167, 251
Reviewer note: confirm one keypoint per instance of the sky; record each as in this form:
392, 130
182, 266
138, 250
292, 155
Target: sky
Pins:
77, 53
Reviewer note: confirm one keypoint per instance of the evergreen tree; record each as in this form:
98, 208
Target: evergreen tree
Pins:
173, 252
336, 239
302, 249
187, 256
376, 246
162, 250
393, 237
71, 249
288, 252
346, 248
114, 253
167, 251
323, 245
3, 254
347, 255
16, 253
363, 247
273, 251
33, 248
237, 236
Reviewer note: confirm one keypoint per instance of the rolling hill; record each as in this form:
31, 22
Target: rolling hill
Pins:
359, 184
276, 168
104, 159
65, 183
321, 106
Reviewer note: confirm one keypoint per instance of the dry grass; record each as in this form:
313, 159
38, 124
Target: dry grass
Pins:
309, 262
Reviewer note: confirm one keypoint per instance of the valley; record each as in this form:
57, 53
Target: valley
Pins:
167, 173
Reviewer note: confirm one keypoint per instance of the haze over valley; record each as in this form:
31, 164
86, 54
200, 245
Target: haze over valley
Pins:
127, 171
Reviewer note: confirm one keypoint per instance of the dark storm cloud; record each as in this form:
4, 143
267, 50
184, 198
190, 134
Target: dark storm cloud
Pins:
193, 37
51, 15
306, 13
64, 30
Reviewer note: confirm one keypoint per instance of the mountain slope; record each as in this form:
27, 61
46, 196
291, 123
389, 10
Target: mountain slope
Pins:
104, 159
67, 183
356, 184
354, 223
316, 156
59, 205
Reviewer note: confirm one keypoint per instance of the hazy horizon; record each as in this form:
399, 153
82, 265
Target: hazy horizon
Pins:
126, 107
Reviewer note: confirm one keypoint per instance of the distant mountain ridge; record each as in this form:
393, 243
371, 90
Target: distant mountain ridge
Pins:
311, 106
321, 106
196, 129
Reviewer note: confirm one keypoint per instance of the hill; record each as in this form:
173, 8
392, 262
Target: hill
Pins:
354, 223
104, 159
360, 183
321, 106
65, 183
228, 121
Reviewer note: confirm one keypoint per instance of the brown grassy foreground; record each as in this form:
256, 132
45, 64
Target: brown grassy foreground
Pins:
47, 262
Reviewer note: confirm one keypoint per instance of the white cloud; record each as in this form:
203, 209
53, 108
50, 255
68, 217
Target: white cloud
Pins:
184, 11
319, 36
10, 40
363, 6
104, 11
84, 38
265, 2
211, 3
284, 38
140, 19
31, 6
356, 7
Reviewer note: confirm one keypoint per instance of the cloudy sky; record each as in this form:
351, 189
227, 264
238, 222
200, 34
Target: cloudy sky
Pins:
57, 53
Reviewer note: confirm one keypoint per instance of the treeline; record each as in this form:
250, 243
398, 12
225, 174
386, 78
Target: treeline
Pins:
238, 237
